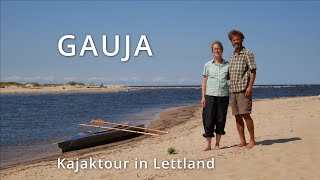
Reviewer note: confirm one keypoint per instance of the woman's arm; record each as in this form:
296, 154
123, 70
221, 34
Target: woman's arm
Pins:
204, 87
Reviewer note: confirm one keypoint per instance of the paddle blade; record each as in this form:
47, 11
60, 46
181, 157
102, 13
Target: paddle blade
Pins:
97, 121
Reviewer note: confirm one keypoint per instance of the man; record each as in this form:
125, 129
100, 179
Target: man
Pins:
242, 70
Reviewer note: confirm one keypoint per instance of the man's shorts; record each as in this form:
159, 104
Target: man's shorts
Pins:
241, 104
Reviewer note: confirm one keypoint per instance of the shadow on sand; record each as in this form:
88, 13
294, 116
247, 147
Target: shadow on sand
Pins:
274, 141
270, 142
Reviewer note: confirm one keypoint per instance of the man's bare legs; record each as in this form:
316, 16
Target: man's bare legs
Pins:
218, 138
240, 127
209, 144
250, 127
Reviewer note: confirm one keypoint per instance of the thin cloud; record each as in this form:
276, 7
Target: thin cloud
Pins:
12, 78
159, 79
187, 81
115, 79
136, 78
70, 78
47, 78
100, 79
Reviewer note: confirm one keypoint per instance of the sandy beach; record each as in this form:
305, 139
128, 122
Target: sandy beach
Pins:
286, 132
60, 89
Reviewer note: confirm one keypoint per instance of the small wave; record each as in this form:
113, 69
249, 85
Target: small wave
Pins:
278, 86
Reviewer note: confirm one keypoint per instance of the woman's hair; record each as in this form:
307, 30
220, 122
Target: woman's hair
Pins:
216, 42
235, 33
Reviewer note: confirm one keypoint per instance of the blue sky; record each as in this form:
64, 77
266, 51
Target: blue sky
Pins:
283, 36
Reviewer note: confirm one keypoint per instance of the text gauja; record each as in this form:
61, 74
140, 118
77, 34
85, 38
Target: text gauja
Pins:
89, 45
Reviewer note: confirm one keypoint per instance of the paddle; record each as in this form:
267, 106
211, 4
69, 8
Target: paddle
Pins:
126, 130
100, 121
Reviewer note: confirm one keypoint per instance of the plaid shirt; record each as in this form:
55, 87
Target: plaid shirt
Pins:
239, 69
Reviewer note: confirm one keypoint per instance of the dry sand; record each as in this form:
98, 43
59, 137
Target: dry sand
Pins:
60, 89
287, 138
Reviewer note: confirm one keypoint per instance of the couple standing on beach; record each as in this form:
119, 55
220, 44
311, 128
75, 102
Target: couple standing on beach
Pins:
241, 71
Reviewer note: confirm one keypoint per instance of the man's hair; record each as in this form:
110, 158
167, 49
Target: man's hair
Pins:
216, 42
235, 33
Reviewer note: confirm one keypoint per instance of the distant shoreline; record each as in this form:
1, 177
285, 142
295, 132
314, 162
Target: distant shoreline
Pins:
79, 89
60, 89
12, 89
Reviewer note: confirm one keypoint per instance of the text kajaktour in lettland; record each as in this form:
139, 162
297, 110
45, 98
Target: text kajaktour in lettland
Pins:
179, 164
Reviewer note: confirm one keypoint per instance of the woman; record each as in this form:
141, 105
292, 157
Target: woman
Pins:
215, 95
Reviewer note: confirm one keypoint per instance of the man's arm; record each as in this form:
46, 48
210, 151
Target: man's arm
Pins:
250, 86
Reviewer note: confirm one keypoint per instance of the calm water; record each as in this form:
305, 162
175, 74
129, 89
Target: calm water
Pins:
31, 124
